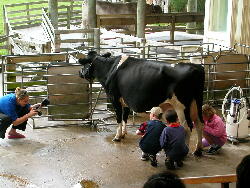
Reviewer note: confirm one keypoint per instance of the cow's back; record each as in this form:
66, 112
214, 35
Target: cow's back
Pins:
105, 8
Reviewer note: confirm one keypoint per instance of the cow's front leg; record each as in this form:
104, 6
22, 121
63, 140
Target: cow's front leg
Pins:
118, 110
124, 129
118, 135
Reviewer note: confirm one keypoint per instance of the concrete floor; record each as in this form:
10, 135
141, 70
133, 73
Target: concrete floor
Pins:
62, 156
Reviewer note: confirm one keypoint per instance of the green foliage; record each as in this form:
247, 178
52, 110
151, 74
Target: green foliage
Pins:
19, 17
5, 2
201, 5
180, 5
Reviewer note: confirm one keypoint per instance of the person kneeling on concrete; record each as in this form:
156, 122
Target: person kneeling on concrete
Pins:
214, 130
15, 109
150, 143
172, 140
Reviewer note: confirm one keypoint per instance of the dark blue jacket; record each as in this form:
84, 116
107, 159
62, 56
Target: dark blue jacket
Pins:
172, 140
150, 142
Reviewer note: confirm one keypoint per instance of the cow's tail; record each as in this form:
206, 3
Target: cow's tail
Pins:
200, 82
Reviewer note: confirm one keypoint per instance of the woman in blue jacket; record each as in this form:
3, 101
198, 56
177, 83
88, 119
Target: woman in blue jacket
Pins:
15, 109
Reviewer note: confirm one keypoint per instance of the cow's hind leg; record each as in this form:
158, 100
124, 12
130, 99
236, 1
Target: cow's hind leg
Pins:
198, 128
124, 121
196, 116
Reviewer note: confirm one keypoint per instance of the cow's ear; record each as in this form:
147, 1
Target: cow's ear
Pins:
108, 54
84, 61
92, 53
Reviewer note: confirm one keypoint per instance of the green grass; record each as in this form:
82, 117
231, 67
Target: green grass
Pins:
23, 12
5, 2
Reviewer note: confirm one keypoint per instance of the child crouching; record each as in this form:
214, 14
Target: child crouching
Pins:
172, 140
150, 141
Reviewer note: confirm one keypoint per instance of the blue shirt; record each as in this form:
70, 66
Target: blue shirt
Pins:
10, 107
172, 140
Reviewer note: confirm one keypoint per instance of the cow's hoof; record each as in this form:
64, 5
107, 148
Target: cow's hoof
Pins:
123, 136
198, 152
116, 140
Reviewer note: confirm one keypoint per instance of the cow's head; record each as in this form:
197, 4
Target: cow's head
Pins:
87, 72
157, 9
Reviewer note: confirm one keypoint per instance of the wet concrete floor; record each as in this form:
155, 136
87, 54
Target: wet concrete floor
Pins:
74, 155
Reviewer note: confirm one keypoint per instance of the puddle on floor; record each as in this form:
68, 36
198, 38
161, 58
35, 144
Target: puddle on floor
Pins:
86, 184
18, 181
11, 177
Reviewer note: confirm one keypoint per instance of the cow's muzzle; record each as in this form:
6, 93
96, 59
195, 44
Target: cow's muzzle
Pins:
83, 74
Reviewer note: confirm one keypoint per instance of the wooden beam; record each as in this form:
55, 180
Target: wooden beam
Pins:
229, 178
130, 19
35, 58
40, 57
29, 3
74, 31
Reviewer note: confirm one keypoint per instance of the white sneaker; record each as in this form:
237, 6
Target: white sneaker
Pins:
144, 156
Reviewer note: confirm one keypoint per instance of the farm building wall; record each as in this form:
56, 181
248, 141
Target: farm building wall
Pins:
227, 23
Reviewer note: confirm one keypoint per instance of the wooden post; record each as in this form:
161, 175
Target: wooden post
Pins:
140, 31
6, 28
28, 13
53, 12
57, 42
142, 46
47, 47
91, 13
97, 39
191, 7
98, 21
91, 18
172, 30
68, 17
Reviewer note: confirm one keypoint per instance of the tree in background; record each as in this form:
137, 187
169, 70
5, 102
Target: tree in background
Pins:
189, 6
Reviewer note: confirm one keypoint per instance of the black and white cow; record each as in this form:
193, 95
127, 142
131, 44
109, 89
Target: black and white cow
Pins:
142, 84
